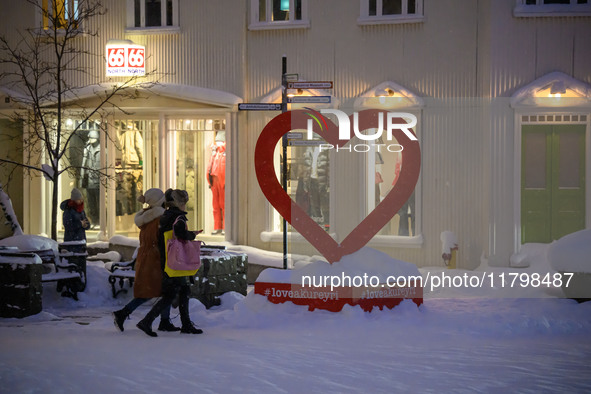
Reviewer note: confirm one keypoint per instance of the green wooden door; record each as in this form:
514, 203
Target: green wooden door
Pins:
552, 181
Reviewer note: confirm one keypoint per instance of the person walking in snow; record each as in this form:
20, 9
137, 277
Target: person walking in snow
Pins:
176, 201
148, 274
74, 218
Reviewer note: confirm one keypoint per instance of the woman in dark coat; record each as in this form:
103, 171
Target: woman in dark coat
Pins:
74, 217
176, 201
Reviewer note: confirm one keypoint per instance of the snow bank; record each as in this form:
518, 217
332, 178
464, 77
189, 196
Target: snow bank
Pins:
449, 241
98, 245
125, 241
366, 261
108, 256
572, 253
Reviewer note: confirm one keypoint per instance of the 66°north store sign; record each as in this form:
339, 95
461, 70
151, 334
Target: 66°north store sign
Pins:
125, 60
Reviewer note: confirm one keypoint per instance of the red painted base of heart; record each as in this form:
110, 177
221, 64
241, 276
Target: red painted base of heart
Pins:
334, 300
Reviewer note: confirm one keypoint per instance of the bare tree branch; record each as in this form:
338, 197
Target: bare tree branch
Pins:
43, 66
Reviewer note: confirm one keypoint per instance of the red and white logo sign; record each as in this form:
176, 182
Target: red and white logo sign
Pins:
125, 60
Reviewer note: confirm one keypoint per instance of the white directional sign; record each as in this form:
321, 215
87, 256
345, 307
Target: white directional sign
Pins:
310, 85
308, 99
259, 107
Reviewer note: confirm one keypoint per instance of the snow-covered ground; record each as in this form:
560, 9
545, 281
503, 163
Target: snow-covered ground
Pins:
462, 339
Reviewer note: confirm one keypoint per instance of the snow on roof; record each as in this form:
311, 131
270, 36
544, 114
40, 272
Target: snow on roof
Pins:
526, 96
379, 97
178, 91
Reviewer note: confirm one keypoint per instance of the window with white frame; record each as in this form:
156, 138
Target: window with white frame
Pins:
59, 13
533, 8
152, 14
390, 11
273, 14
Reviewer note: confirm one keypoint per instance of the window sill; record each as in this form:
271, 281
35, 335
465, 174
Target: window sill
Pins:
152, 30
303, 24
397, 241
272, 236
552, 10
389, 20
392, 241
48, 33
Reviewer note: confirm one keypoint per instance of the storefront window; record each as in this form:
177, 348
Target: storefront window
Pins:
135, 169
200, 150
308, 179
384, 165
84, 155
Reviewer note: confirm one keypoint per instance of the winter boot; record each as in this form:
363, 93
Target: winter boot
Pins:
146, 327
119, 318
166, 325
191, 329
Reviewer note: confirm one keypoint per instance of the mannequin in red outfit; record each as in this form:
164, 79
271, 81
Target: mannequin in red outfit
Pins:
216, 177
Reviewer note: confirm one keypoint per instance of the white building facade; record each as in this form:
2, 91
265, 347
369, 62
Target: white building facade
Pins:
501, 91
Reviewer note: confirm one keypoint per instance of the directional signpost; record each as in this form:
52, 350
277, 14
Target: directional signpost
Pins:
290, 81
259, 107
310, 85
309, 99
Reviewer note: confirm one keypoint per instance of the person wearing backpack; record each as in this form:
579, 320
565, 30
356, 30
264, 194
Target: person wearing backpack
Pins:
176, 201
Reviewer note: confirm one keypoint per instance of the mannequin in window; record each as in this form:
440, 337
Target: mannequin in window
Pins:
132, 146
91, 163
132, 159
216, 178
378, 178
408, 209
317, 163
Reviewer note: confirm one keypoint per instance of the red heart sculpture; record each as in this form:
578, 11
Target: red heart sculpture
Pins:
297, 217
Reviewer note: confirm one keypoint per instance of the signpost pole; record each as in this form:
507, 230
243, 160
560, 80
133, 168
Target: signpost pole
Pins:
284, 151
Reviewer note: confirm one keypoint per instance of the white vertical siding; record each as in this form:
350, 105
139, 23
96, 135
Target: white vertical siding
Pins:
465, 59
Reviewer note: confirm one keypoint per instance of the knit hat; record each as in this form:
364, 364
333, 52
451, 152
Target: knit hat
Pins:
76, 195
153, 197
93, 134
176, 197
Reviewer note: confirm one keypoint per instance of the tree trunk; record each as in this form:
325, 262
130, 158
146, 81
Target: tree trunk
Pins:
54, 209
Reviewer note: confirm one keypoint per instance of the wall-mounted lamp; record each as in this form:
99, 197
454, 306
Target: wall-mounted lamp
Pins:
557, 89
387, 92
298, 92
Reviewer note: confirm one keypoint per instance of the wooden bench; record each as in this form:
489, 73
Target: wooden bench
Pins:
221, 271
122, 271
70, 280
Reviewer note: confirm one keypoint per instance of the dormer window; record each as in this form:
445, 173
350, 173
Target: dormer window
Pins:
390, 11
278, 14
533, 8
59, 13
152, 16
